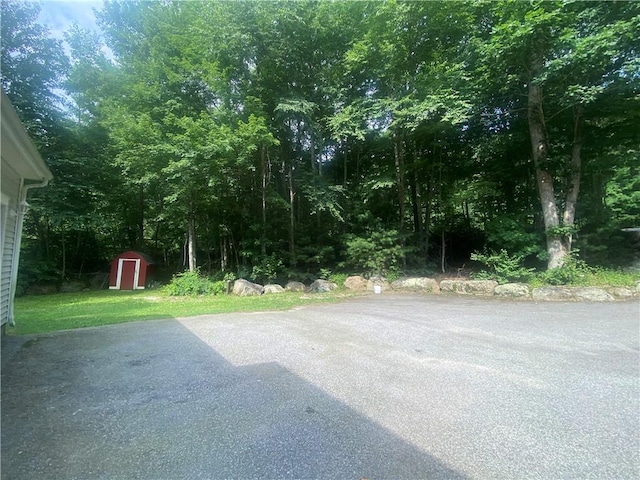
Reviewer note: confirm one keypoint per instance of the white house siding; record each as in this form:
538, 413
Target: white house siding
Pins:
11, 183
21, 169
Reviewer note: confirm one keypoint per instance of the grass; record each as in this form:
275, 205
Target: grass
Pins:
47, 313
590, 277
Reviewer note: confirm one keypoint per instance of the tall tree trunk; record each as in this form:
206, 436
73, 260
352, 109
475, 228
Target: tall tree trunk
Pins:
63, 274
292, 219
224, 255
398, 155
540, 150
346, 161
416, 200
443, 256
140, 242
191, 242
265, 180
427, 220
569, 214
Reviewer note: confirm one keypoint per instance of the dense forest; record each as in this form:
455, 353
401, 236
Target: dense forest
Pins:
272, 138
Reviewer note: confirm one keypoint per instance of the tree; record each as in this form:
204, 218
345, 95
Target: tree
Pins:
568, 55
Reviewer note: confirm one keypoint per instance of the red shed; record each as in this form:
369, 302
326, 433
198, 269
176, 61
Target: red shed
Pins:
129, 271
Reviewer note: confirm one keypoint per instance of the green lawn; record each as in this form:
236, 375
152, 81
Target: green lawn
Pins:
46, 313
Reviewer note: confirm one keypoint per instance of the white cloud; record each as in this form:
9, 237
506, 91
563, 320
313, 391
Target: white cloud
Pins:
59, 16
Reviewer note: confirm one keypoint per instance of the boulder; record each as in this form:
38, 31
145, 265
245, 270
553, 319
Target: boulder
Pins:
245, 288
295, 287
585, 294
592, 294
378, 281
622, 293
72, 287
513, 290
472, 287
355, 283
42, 289
273, 288
552, 293
99, 281
415, 284
320, 286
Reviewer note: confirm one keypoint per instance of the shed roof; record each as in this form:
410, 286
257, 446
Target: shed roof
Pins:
133, 253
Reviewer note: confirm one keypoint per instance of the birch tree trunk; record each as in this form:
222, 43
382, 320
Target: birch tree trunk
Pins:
191, 243
556, 249
265, 181
573, 188
292, 219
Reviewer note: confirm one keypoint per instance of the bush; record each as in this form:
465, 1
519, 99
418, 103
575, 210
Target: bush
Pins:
573, 272
379, 253
338, 279
267, 268
503, 268
193, 283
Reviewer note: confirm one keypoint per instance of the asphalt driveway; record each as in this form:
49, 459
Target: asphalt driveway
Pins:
377, 387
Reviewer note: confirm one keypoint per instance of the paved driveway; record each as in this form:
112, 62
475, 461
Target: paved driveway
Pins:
377, 387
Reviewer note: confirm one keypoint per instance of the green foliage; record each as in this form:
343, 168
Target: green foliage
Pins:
338, 279
378, 253
325, 273
312, 129
193, 283
563, 230
267, 268
572, 272
506, 232
229, 277
503, 268
612, 277
35, 272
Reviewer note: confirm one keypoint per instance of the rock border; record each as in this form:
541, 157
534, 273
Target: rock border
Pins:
491, 288
485, 288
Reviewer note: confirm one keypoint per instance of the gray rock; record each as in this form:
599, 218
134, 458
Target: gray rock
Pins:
513, 290
585, 294
621, 293
273, 288
99, 281
472, 287
245, 288
42, 289
592, 294
295, 287
72, 287
320, 286
378, 281
552, 293
416, 284
355, 282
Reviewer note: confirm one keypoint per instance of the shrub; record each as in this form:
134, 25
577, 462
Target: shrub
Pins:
503, 268
338, 279
267, 268
573, 272
379, 253
193, 283
325, 273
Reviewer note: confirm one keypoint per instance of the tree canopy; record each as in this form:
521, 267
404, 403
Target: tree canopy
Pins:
262, 137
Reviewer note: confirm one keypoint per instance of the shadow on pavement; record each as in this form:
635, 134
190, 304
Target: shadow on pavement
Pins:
150, 400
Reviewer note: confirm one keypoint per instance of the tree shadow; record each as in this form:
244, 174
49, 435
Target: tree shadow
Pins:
150, 400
